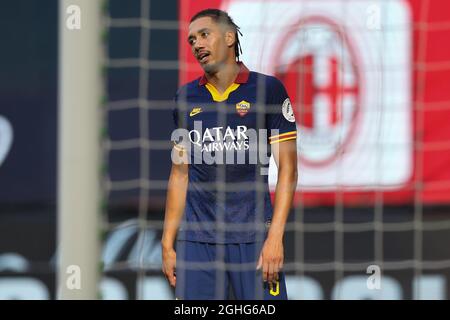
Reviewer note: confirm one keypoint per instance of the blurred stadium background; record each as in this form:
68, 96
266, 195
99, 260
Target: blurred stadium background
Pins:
368, 79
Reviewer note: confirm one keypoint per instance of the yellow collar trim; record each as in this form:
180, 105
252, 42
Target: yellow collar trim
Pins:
221, 97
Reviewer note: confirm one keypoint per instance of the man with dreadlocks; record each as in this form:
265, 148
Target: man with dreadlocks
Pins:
230, 240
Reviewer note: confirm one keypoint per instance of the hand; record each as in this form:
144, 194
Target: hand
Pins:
271, 259
169, 261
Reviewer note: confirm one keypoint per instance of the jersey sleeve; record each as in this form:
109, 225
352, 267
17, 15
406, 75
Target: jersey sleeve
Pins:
280, 118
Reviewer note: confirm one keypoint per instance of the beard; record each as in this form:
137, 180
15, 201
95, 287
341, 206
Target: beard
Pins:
211, 68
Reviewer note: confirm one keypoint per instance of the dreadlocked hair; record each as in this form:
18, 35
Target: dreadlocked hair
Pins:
220, 16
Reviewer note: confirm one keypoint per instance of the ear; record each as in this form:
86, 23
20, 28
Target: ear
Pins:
230, 38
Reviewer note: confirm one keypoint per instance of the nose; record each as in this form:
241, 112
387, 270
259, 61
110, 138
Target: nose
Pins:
199, 44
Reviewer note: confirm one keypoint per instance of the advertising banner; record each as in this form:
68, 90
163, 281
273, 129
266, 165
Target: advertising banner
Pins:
366, 83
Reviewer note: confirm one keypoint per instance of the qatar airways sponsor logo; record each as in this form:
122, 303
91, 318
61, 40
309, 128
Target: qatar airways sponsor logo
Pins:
220, 138
222, 145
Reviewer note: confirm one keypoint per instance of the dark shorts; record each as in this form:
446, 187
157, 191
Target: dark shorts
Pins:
208, 271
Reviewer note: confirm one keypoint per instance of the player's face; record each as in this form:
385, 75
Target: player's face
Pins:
208, 43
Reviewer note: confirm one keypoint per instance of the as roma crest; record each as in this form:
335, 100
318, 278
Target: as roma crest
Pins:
242, 107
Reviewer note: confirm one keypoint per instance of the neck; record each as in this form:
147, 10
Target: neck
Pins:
225, 76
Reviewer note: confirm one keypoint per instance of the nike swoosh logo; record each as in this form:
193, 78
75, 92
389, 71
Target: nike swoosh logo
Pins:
195, 111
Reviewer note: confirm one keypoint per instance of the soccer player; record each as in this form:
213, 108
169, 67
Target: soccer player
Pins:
222, 236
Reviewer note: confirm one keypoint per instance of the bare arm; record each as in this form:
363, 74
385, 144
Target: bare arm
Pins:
175, 203
285, 155
272, 255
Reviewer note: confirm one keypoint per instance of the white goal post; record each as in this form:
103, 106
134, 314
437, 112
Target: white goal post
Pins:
79, 148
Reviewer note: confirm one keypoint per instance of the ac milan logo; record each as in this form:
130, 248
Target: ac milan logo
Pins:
319, 69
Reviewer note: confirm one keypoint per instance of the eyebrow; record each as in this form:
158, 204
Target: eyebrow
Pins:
198, 31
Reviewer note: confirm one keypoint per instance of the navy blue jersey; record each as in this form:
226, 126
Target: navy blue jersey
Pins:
227, 137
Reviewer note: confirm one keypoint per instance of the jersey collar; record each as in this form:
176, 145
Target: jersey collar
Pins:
242, 76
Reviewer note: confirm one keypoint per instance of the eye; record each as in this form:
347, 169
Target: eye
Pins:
191, 41
205, 34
